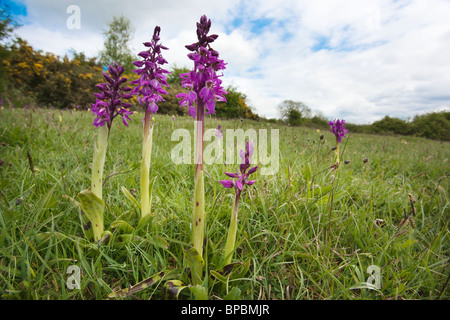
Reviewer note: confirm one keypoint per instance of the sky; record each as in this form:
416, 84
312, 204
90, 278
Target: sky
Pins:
357, 60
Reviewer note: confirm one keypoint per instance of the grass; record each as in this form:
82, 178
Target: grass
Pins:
308, 232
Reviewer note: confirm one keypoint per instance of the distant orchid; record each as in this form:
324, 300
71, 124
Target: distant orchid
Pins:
173, 122
238, 185
337, 127
110, 103
219, 132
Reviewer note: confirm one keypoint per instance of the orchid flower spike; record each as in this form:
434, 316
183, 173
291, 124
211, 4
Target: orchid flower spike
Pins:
242, 177
110, 102
337, 127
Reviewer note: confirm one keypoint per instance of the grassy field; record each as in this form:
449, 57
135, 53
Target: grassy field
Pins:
307, 232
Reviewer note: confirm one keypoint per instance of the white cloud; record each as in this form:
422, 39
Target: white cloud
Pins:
60, 42
358, 59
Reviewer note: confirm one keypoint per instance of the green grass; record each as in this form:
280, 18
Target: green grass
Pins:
308, 231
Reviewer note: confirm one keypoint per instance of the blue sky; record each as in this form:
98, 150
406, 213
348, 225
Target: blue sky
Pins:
358, 59
16, 8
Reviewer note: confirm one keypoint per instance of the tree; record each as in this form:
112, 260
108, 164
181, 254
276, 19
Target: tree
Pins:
391, 125
116, 43
7, 26
235, 107
294, 112
434, 125
173, 78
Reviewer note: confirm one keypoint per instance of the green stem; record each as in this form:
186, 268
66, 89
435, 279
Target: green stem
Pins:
199, 213
231, 238
199, 193
98, 162
145, 166
198, 216
337, 151
93, 229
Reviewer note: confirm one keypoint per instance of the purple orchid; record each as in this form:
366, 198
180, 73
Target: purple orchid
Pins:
337, 127
149, 88
242, 178
109, 103
204, 89
203, 84
151, 76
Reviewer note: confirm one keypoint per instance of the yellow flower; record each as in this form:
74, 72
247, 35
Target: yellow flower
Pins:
318, 130
60, 118
153, 119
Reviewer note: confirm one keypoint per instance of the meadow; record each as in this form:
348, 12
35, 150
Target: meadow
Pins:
306, 232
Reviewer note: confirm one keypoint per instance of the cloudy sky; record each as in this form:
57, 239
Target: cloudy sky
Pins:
354, 59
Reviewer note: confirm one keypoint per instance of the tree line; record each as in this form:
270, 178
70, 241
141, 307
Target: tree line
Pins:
434, 125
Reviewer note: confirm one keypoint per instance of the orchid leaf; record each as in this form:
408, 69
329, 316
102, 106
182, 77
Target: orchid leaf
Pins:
130, 197
123, 226
173, 288
242, 270
86, 224
229, 268
105, 238
218, 276
235, 270
234, 294
145, 221
199, 292
137, 287
195, 262
93, 208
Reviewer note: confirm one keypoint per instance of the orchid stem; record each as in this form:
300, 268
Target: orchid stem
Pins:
199, 213
145, 166
98, 162
199, 216
231, 238
199, 191
95, 229
337, 152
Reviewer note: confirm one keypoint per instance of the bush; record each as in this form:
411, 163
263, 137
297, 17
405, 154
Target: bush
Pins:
49, 80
